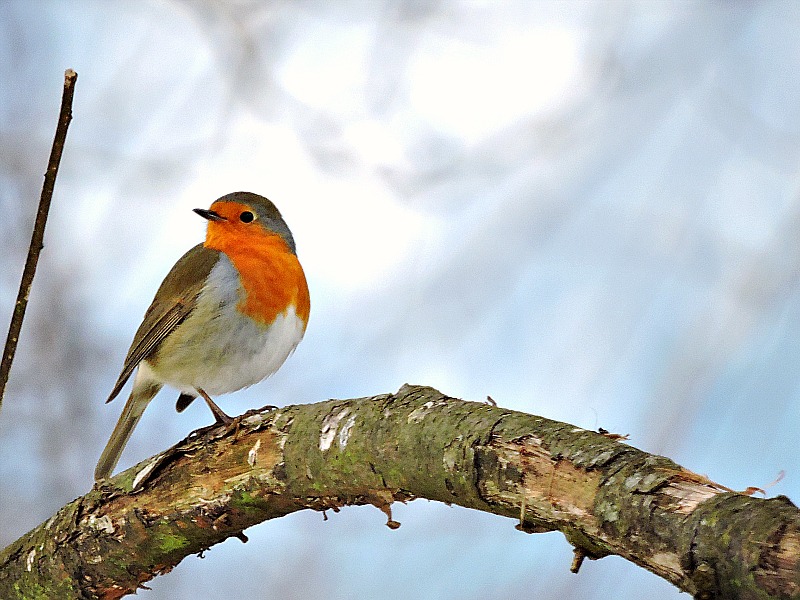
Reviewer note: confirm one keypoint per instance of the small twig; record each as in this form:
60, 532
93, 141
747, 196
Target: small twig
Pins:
579, 554
37, 238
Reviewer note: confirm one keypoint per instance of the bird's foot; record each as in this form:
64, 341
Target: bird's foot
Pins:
219, 414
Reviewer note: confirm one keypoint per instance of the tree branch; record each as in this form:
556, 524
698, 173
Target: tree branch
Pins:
37, 237
605, 496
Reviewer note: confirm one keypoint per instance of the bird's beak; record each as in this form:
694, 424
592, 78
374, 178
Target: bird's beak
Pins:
209, 214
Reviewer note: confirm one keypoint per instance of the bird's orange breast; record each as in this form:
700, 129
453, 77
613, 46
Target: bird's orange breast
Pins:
271, 276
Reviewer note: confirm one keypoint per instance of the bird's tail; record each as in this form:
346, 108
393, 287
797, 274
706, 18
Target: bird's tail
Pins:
140, 397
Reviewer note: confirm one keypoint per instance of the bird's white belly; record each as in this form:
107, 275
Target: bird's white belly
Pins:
220, 350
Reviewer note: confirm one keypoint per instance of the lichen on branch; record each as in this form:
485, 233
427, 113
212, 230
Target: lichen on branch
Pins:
604, 495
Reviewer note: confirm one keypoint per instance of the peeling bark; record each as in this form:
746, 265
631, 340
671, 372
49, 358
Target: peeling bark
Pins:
605, 496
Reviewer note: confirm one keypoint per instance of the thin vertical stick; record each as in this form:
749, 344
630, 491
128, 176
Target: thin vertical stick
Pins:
37, 238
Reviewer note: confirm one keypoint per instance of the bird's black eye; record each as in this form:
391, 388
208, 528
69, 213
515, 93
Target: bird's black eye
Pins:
247, 217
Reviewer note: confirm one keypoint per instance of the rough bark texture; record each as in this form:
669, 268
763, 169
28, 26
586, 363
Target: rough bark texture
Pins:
605, 496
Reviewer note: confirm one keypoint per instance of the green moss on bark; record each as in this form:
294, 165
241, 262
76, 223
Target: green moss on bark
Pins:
605, 496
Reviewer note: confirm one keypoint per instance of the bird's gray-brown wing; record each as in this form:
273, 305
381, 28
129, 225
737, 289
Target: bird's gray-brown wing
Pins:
173, 302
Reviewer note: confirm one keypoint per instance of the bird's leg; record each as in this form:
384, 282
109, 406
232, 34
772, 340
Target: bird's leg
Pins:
219, 414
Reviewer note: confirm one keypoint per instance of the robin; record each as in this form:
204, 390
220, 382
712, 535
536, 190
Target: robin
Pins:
226, 316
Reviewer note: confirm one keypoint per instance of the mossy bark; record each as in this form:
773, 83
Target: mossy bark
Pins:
607, 497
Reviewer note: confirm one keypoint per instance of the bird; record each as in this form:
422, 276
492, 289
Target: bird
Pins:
227, 316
